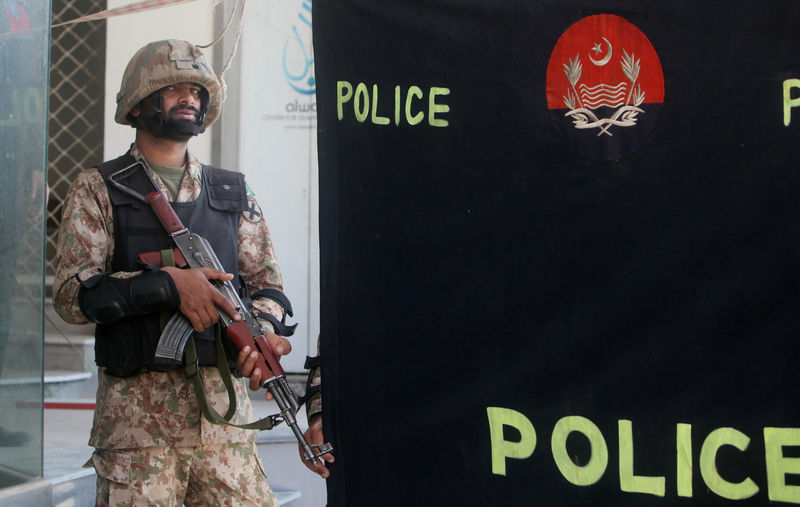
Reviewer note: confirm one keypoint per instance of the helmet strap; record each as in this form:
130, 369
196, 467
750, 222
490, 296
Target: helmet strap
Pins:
158, 105
201, 118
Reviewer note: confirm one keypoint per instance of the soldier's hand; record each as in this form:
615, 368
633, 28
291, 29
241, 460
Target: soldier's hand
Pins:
314, 437
247, 360
280, 345
200, 299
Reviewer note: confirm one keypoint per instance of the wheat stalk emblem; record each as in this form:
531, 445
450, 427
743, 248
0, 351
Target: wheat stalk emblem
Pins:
573, 72
631, 67
625, 116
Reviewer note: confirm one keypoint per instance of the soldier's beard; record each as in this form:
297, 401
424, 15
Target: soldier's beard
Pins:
168, 127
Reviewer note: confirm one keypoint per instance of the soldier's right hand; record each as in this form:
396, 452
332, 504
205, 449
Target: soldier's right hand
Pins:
200, 299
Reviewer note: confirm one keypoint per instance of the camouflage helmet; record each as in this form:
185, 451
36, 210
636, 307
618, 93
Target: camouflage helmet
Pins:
163, 63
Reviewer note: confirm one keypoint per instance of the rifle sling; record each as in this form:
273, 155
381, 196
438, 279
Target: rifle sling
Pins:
192, 371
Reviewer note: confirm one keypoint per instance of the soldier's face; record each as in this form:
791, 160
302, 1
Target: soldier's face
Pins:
182, 101
173, 112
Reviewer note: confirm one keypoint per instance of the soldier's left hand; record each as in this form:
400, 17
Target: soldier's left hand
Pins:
247, 360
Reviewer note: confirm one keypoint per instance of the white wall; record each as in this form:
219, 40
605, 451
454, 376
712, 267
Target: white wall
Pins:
273, 140
126, 34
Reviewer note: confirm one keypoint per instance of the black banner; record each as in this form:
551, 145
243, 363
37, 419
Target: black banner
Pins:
560, 251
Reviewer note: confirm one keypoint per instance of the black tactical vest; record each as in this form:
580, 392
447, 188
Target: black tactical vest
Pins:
128, 346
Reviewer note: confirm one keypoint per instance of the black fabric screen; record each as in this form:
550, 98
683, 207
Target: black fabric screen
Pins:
629, 296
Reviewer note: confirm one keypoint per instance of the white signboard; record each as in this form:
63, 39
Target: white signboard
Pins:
273, 89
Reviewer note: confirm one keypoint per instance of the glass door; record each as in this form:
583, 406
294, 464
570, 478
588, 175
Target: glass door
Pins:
24, 66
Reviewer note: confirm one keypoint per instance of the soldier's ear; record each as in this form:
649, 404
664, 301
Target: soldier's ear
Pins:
136, 110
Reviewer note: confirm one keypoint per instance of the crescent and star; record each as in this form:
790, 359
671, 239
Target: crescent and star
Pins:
598, 49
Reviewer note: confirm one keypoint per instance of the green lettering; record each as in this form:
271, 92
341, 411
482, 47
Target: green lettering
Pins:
377, 120
683, 446
629, 482
362, 97
708, 464
397, 105
502, 449
434, 108
788, 101
344, 92
413, 120
778, 466
596, 467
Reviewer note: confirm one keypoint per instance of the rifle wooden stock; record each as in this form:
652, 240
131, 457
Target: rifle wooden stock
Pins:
266, 360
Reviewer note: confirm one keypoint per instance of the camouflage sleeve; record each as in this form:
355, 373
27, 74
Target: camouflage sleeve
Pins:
85, 242
257, 260
314, 404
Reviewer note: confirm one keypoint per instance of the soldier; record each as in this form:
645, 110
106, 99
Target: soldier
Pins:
152, 445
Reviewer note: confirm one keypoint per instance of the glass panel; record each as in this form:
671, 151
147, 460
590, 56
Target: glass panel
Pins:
24, 45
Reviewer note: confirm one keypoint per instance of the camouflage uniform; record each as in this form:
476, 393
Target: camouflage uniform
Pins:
314, 404
156, 411
152, 444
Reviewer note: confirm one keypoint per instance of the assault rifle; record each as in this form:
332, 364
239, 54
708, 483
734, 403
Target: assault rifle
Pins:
197, 253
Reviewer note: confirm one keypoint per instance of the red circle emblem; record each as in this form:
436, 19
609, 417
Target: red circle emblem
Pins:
605, 86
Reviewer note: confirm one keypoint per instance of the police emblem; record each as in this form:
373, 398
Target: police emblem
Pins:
253, 211
605, 86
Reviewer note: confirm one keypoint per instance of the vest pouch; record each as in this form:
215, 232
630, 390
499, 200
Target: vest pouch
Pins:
128, 346
226, 191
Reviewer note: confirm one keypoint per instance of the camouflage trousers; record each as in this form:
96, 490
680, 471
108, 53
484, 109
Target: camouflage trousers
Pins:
210, 475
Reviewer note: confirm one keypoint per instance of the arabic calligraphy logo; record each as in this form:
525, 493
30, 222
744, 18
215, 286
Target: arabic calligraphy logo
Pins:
298, 57
611, 94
